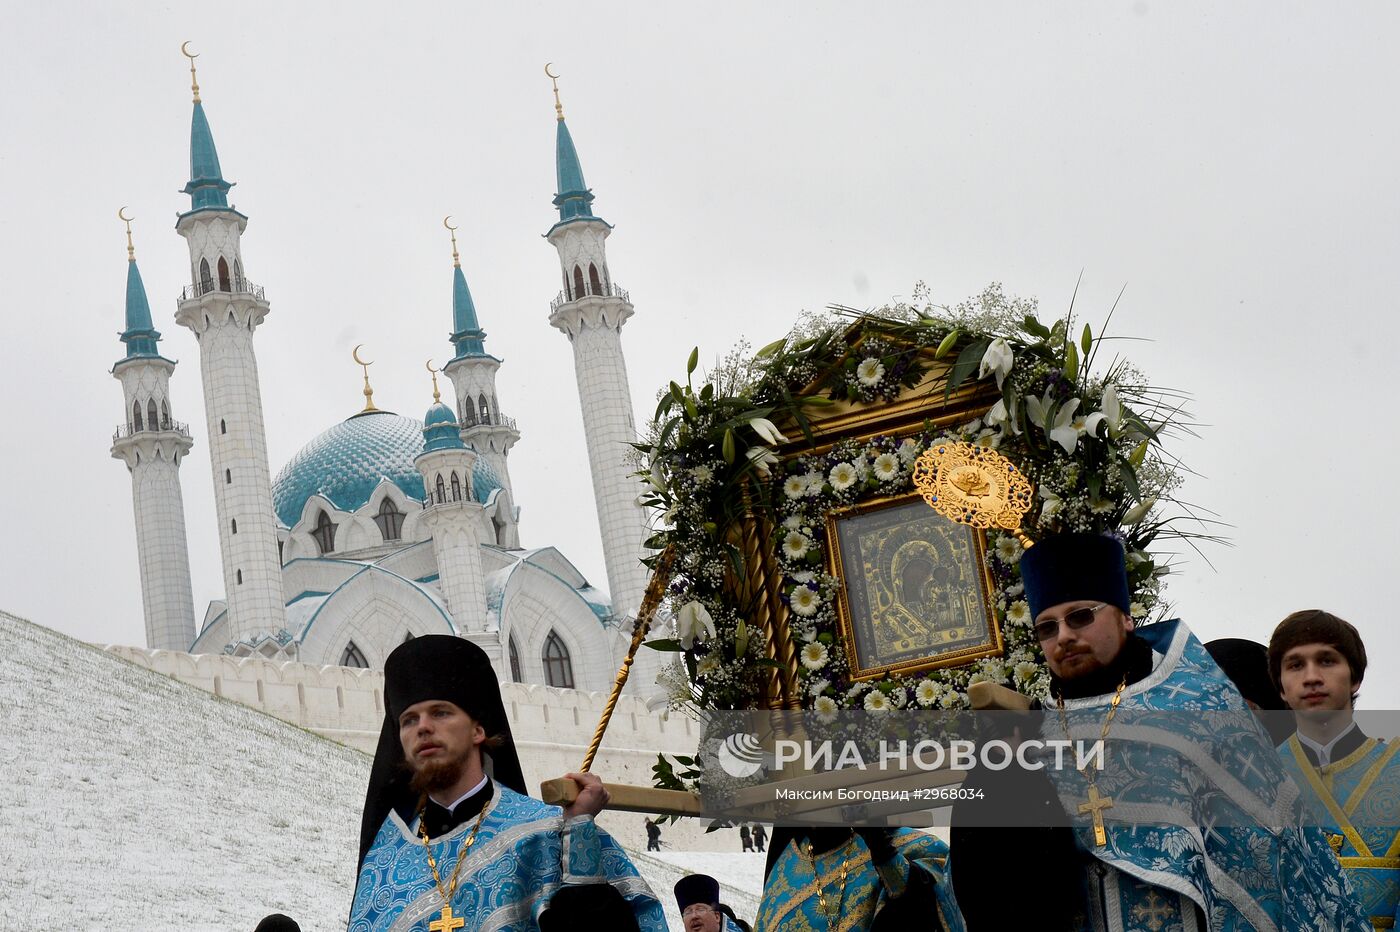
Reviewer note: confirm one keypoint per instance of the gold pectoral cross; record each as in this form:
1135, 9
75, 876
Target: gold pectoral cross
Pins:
1095, 806
446, 922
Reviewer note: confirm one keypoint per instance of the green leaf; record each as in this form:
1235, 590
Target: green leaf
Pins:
817, 401
727, 447
1129, 476
770, 349
693, 362
1071, 362
676, 392
1035, 328
967, 363
945, 347
1139, 454
670, 644
690, 407
1087, 340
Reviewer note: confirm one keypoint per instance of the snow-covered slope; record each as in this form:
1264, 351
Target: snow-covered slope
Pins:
130, 801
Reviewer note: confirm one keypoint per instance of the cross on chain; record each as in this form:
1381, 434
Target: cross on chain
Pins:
446, 922
1095, 806
1155, 912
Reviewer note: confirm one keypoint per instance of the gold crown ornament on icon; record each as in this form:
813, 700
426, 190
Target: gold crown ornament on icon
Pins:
974, 485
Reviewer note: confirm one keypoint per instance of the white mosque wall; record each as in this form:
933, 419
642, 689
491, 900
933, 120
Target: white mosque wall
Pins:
551, 727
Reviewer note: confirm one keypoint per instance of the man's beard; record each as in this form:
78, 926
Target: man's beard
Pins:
438, 773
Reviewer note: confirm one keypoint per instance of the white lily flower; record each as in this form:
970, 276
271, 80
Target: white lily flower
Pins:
693, 623
1110, 413
1038, 409
767, 430
1052, 502
763, 459
997, 360
1064, 431
1139, 511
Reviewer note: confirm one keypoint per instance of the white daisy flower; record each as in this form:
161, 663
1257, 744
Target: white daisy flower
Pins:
795, 546
814, 655
1100, 506
825, 707
1019, 613
876, 701
702, 473
793, 522
1009, 549
886, 466
795, 487
978, 677
805, 602
842, 476
870, 371
814, 482
1137, 609
1025, 671
988, 438
926, 693
949, 699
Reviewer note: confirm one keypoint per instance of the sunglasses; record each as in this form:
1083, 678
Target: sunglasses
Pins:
1079, 618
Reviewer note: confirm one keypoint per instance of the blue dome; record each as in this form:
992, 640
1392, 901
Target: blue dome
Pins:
439, 414
346, 463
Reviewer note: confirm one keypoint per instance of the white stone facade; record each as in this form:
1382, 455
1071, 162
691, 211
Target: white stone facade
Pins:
152, 450
223, 313
452, 516
489, 432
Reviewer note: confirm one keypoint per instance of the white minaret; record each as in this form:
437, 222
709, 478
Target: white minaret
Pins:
473, 374
454, 517
591, 311
151, 444
223, 309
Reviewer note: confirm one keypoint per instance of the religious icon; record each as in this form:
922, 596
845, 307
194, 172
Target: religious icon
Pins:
916, 592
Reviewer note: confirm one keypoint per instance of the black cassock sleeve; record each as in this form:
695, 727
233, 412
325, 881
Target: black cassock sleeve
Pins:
915, 908
590, 907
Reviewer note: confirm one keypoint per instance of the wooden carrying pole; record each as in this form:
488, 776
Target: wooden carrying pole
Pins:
563, 791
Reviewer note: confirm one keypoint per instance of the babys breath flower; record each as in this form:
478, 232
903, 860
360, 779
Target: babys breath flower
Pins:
926, 693
814, 655
1025, 671
1137, 609
1008, 549
708, 664
1019, 613
908, 451
825, 707
818, 685
794, 487
886, 467
843, 476
805, 602
870, 371
795, 546
876, 701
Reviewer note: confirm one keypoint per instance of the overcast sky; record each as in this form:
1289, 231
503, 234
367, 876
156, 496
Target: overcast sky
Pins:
1232, 164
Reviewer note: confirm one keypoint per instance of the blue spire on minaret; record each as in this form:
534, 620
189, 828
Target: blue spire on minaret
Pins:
139, 336
466, 332
206, 187
574, 198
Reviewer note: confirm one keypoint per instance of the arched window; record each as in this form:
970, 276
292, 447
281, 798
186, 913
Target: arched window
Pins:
441, 490
281, 560
206, 280
164, 416
483, 409
456, 488
225, 284
136, 416
469, 414
324, 534
407, 636
152, 421
389, 519
223, 428
233, 522
593, 281
240, 577
353, 658
514, 662
228, 477
578, 282
558, 669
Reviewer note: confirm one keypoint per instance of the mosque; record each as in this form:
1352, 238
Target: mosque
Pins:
382, 527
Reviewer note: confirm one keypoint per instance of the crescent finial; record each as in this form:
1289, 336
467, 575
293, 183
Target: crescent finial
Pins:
558, 107
130, 248
437, 395
456, 260
194, 81
368, 392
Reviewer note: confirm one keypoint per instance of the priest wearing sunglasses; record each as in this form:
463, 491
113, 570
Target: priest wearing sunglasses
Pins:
1166, 833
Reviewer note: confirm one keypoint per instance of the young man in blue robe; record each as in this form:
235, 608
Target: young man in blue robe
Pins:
449, 841
1317, 661
1196, 827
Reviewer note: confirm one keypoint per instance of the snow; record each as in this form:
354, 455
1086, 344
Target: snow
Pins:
133, 802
